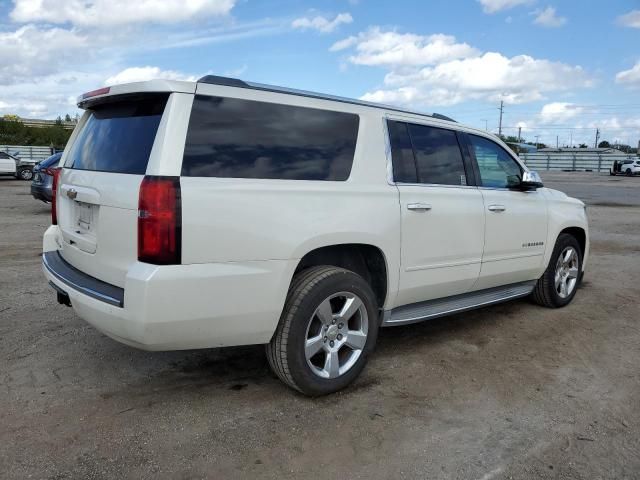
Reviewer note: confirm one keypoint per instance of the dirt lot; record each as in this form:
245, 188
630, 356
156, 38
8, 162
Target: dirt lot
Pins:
513, 391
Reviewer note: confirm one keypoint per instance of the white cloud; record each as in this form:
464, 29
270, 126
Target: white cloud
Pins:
322, 24
344, 44
31, 52
438, 70
48, 96
548, 18
141, 74
493, 6
630, 77
116, 12
375, 47
631, 19
559, 111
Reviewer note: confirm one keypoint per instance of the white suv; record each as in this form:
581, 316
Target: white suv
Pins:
626, 167
219, 212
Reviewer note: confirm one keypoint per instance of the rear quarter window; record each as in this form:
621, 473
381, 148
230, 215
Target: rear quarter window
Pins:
235, 138
118, 136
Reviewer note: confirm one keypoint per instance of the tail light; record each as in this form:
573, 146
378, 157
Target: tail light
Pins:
55, 173
159, 221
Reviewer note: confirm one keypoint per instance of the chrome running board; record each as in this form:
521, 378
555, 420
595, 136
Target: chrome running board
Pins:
440, 307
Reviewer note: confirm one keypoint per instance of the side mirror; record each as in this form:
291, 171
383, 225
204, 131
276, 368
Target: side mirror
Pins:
531, 180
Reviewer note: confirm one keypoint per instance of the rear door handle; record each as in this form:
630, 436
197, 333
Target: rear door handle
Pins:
497, 208
418, 206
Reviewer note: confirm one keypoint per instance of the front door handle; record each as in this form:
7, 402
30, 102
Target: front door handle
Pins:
497, 208
418, 206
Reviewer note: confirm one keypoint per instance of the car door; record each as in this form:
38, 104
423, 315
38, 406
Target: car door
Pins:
7, 163
516, 219
442, 217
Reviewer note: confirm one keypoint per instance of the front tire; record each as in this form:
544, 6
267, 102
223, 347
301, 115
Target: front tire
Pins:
25, 174
628, 172
327, 330
558, 284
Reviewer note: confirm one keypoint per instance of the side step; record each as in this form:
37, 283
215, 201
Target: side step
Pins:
440, 307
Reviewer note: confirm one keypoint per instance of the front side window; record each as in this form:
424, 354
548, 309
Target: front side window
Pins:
497, 168
235, 138
438, 156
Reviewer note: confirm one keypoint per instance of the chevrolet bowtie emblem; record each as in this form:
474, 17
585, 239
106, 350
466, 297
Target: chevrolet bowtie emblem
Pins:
72, 193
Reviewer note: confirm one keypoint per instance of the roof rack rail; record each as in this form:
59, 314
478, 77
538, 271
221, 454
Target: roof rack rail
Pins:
439, 116
235, 82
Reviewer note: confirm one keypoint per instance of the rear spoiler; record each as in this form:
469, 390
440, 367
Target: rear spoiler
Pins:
152, 86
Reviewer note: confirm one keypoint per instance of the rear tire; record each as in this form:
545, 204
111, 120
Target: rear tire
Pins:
327, 330
559, 282
628, 172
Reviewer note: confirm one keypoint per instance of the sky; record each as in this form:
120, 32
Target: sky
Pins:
563, 68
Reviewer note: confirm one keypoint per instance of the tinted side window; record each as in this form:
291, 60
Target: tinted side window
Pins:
404, 164
438, 156
118, 137
497, 168
234, 138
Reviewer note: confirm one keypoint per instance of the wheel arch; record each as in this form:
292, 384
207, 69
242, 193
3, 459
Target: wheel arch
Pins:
578, 231
367, 260
579, 234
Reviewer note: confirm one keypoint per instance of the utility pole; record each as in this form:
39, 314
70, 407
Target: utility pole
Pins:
571, 142
557, 142
486, 124
537, 142
519, 136
500, 125
597, 136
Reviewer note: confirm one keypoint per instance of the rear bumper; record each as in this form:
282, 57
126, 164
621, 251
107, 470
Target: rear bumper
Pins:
41, 192
177, 307
56, 266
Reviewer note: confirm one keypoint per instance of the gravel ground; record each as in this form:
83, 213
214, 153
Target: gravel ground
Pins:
512, 391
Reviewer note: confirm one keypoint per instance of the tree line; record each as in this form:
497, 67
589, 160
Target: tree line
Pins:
14, 132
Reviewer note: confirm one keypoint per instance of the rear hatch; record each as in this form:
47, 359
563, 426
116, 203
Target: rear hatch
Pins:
100, 182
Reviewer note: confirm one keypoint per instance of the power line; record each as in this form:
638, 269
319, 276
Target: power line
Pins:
562, 127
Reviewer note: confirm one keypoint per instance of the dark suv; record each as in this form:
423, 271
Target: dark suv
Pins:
43, 178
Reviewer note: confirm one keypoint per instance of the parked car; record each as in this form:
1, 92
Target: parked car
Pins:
8, 164
12, 165
43, 178
626, 167
250, 214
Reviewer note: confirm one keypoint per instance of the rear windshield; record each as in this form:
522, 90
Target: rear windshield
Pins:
234, 138
52, 161
118, 136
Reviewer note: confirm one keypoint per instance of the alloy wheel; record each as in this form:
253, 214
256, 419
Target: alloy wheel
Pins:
336, 335
566, 275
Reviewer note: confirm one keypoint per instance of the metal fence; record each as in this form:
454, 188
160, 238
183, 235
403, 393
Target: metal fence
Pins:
572, 161
28, 153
